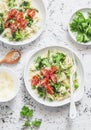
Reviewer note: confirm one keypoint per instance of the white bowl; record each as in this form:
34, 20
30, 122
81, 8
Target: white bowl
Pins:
79, 92
16, 81
73, 36
39, 4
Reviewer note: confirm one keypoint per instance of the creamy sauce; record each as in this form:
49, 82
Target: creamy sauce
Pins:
7, 86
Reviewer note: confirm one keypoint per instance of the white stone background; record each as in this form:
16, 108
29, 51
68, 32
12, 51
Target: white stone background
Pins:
59, 12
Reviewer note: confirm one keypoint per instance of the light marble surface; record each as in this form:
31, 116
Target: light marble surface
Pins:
59, 12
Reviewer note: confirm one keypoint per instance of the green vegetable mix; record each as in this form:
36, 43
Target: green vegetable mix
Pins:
81, 25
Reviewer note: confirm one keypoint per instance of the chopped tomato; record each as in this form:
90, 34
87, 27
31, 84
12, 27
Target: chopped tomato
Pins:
44, 82
23, 23
35, 80
50, 72
19, 16
7, 24
31, 13
54, 78
14, 27
53, 69
49, 89
12, 13
46, 73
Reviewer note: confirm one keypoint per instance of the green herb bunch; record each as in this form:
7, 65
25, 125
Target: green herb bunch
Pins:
81, 25
27, 114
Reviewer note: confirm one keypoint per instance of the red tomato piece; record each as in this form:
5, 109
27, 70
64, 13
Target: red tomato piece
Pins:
49, 89
23, 23
54, 78
35, 80
45, 72
44, 82
7, 24
31, 13
19, 16
14, 26
50, 72
53, 69
12, 13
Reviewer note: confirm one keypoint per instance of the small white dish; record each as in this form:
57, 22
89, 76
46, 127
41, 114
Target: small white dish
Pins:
39, 4
73, 35
77, 95
15, 87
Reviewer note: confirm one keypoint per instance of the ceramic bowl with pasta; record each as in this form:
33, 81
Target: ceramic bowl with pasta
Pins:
48, 75
21, 21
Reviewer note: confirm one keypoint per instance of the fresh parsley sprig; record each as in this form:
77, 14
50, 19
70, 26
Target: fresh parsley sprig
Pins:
36, 123
27, 113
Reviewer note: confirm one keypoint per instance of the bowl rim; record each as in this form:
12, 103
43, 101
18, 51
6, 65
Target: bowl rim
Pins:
12, 73
69, 31
28, 40
27, 87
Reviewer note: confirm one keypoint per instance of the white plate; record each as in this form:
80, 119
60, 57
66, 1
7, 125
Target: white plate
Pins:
16, 81
77, 95
38, 4
72, 34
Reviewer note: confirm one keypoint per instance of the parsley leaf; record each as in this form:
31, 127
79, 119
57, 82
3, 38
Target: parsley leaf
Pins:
36, 123
27, 123
26, 112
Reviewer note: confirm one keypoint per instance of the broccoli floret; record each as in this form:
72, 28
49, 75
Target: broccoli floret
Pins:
56, 87
42, 62
1, 14
25, 5
11, 3
17, 36
59, 57
45, 62
1, 25
1, 28
30, 21
42, 92
38, 59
